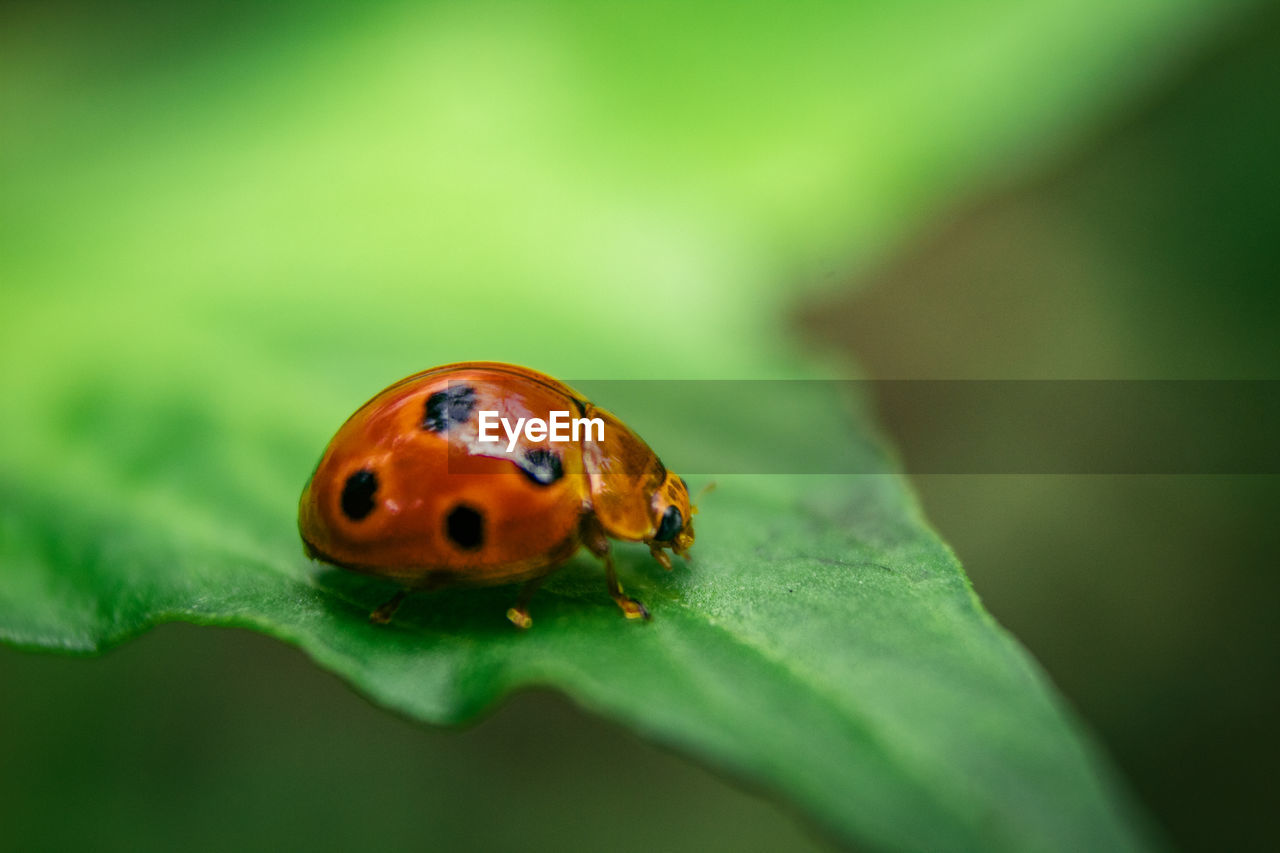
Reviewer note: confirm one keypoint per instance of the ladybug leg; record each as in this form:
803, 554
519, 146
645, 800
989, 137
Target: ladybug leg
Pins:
595, 540
519, 615
383, 614
631, 608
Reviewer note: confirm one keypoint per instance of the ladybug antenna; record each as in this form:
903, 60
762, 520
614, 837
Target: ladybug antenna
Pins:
709, 487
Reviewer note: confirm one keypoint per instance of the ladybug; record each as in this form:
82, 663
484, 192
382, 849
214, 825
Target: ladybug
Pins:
414, 489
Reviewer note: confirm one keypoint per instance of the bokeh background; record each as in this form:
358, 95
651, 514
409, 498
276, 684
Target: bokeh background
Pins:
1151, 252
963, 191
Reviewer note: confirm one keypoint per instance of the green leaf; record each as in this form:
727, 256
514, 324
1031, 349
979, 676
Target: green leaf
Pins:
213, 253
823, 643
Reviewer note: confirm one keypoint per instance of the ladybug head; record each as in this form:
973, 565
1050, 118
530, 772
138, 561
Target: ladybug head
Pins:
673, 514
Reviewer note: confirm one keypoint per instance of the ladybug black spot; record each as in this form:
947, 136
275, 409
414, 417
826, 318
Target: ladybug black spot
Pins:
452, 405
357, 494
672, 523
465, 527
542, 466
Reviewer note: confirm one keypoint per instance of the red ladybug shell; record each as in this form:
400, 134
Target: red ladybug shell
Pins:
405, 490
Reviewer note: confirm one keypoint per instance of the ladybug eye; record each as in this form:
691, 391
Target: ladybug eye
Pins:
672, 523
357, 494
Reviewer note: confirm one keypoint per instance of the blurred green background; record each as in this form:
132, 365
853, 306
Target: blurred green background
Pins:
968, 190
1151, 252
